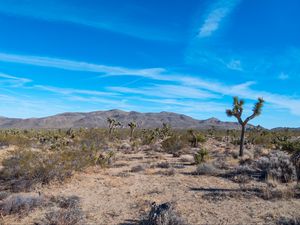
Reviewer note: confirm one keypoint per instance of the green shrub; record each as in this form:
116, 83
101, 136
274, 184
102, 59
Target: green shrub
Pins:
173, 144
201, 156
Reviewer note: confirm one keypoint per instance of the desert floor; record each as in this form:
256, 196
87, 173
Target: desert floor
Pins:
123, 193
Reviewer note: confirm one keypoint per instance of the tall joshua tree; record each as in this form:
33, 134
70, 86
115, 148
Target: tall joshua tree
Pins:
194, 141
132, 126
237, 111
111, 125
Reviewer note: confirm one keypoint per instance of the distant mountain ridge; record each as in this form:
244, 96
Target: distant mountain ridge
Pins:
99, 119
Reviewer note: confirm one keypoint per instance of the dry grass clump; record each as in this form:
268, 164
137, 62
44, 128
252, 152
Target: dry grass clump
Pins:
167, 172
207, 169
20, 203
65, 212
274, 193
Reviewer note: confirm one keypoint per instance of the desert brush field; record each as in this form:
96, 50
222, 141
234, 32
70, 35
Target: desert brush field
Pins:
102, 176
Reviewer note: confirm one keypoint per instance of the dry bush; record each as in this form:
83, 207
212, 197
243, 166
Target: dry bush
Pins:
277, 166
63, 211
275, 193
207, 169
288, 221
20, 203
173, 144
25, 168
163, 165
66, 202
70, 216
138, 168
4, 194
167, 172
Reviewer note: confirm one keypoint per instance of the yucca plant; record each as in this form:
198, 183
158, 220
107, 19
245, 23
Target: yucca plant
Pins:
112, 124
237, 111
132, 126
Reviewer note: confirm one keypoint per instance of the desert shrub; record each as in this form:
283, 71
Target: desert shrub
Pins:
20, 203
163, 165
273, 193
201, 138
149, 136
288, 221
137, 169
167, 172
105, 160
201, 156
70, 216
66, 202
206, 169
64, 210
290, 146
173, 144
163, 214
26, 168
277, 166
4, 194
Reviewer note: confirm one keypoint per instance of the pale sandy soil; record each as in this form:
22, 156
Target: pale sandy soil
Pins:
116, 196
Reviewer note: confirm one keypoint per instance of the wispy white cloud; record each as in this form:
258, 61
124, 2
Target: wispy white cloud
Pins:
13, 80
167, 91
243, 90
217, 13
76, 65
70, 91
179, 85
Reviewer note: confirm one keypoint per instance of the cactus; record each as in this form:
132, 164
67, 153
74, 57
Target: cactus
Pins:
237, 112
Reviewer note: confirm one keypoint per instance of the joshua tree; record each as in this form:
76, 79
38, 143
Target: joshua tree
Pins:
132, 126
112, 124
194, 141
237, 111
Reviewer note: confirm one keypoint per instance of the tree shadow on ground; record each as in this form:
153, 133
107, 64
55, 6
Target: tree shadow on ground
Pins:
134, 222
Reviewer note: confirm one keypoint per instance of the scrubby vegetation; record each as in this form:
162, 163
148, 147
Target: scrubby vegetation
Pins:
34, 159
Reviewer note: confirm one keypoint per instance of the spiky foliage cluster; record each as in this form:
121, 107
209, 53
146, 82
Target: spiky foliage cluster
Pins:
201, 156
237, 110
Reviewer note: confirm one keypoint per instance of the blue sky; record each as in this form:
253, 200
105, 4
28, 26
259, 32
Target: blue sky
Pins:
182, 56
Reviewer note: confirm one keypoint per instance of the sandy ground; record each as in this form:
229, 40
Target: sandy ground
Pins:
118, 196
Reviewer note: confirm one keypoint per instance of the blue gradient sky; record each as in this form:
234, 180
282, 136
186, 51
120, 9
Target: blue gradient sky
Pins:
188, 57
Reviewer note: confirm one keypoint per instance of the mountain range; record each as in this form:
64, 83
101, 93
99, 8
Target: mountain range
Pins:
99, 119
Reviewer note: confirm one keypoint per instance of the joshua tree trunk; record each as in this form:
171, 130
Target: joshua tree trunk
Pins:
131, 134
242, 140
